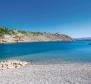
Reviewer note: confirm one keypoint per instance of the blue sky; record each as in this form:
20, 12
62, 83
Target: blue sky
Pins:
72, 17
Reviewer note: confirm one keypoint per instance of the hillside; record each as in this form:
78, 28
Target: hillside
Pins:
11, 35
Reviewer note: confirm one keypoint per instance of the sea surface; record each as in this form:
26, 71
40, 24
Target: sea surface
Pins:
47, 52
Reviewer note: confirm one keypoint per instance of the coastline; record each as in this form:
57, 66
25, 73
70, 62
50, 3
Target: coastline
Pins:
71, 73
34, 41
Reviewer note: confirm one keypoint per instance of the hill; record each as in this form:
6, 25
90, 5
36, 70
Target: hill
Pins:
13, 35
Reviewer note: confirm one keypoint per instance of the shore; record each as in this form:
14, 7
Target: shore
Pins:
76, 73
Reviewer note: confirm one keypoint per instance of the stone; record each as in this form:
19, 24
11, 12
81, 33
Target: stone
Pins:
12, 64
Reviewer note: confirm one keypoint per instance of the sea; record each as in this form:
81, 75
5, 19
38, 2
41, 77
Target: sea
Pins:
47, 52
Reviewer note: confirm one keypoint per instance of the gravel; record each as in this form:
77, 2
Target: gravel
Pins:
76, 73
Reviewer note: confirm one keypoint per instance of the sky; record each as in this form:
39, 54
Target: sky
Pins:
71, 17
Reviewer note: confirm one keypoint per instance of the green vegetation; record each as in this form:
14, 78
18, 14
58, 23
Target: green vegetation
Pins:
23, 32
36, 33
5, 30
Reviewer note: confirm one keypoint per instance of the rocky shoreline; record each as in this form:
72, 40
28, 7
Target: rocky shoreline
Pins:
11, 64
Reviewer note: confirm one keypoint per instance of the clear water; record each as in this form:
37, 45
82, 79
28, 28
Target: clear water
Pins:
47, 52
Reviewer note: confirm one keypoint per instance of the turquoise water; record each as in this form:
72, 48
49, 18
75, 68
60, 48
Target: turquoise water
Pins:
47, 52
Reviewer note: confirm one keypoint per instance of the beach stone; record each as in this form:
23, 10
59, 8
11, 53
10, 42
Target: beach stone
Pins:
10, 64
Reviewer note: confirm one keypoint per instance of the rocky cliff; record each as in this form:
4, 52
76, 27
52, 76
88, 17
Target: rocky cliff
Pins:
7, 35
47, 37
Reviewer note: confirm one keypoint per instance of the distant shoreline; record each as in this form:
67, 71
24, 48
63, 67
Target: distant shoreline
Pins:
31, 42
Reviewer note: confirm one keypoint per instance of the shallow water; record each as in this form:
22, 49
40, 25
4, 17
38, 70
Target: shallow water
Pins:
47, 52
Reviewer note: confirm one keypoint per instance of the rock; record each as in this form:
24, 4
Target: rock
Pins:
12, 64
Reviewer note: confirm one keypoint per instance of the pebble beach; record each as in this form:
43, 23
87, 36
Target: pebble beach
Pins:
71, 73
